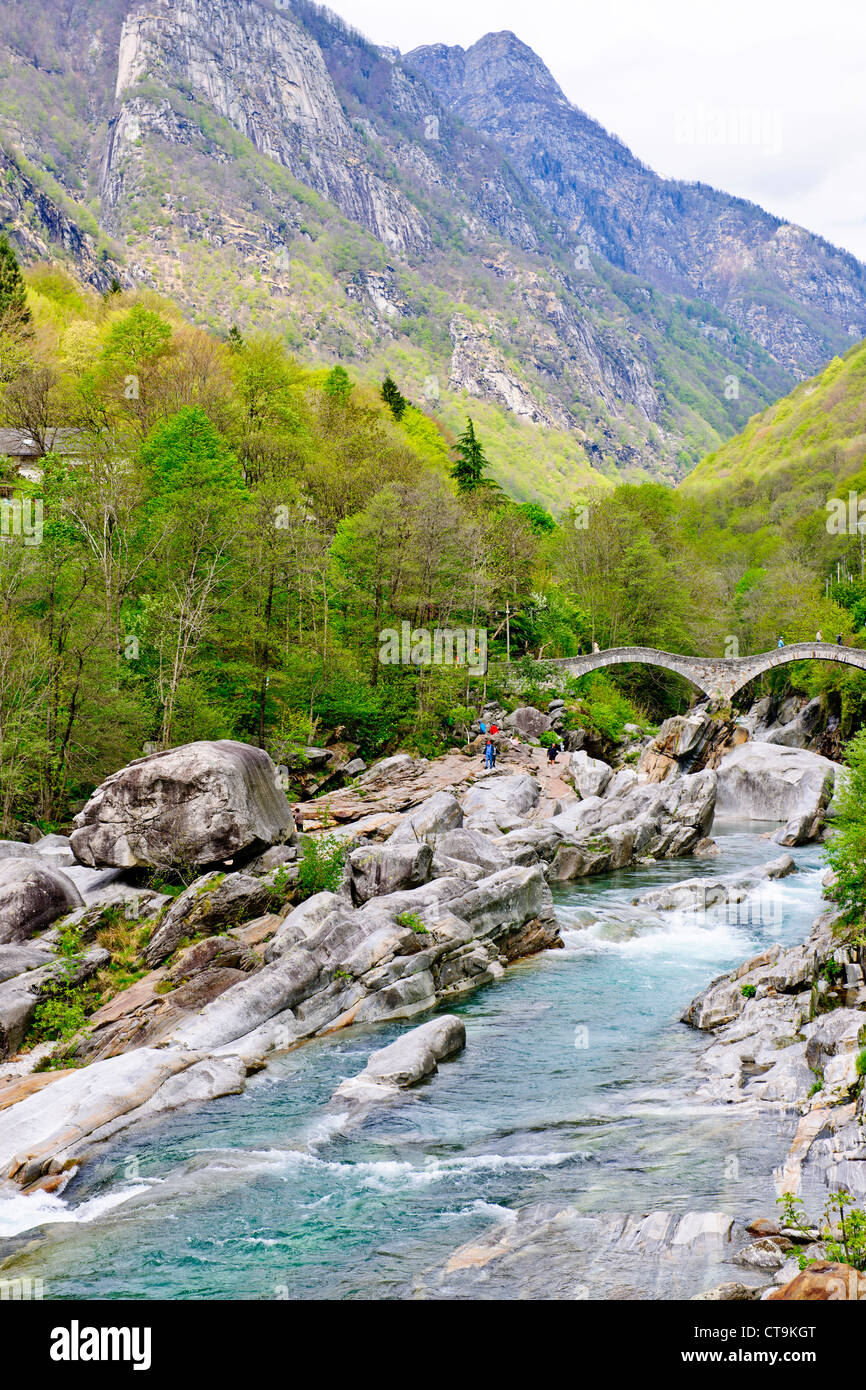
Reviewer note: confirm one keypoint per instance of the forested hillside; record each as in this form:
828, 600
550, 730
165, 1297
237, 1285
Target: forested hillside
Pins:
226, 531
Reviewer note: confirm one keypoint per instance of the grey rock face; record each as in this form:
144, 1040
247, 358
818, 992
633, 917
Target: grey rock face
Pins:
197, 804
378, 869
210, 903
20, 996
32, 896
528, 721
437, 814
763, 781
689, 238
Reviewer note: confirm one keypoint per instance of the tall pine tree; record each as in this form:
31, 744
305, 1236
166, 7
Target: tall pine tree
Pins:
471, 462
393, 397
13, 292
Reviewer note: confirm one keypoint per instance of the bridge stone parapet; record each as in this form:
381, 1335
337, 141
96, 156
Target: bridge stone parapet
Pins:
717, 677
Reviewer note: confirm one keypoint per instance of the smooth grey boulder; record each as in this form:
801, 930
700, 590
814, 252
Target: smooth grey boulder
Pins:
16, 849
403, 1063
528, 721
32, 896
771, 782
211, 903
198, 804
16, 959
377, 869
501, 801
438, 813
589, 776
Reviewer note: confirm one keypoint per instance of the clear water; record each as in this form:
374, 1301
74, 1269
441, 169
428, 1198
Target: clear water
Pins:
576, 1087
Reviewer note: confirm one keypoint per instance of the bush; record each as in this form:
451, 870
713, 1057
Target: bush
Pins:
321, 866
846, 853
748, 991
411, 919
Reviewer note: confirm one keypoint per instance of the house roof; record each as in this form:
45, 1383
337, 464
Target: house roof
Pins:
21, 444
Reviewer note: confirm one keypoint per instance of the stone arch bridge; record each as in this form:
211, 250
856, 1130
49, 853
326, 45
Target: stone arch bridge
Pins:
718, 677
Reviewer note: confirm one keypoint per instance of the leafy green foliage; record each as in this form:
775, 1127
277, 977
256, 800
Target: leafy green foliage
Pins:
321, 866
842, 1228
846, 851
13, 292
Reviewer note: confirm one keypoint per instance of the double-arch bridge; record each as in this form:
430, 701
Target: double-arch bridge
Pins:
718, 677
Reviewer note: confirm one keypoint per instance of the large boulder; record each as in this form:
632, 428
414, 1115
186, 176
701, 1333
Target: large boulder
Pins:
437, 814
528, 721
589, 776
501, 802
32, 896
405, 1062
198, 804
378, 869
771, 782
675, 747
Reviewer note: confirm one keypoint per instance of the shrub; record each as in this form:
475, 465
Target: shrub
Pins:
747, 991
321, 866
411, 919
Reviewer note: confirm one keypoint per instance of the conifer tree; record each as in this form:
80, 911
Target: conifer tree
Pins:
13, 292
393, 397
471, 461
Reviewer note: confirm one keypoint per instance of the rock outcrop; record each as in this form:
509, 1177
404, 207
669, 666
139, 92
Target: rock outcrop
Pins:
32, 896
771, 782
202, 803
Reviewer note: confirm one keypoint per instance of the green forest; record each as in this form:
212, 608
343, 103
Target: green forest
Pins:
225, 531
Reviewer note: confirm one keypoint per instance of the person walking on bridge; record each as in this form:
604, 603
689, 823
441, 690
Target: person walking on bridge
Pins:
781, 642
819, 636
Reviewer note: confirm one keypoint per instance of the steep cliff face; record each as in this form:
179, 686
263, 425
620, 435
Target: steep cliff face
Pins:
257, 69
798, 297
449, 217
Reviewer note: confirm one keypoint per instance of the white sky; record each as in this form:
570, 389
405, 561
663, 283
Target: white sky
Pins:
762, 98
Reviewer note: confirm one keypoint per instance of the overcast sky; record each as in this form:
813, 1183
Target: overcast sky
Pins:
763, 98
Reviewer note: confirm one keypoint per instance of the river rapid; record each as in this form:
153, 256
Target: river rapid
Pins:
576, 1088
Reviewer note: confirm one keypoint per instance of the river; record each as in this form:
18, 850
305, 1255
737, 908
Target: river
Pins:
576, 1087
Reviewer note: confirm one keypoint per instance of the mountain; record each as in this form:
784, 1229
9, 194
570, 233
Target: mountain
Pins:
796, 295
447, 217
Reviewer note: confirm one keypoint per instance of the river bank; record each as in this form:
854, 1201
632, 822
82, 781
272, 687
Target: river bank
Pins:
576, 1089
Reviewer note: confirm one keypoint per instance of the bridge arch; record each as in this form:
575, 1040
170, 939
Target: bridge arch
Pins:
717, 677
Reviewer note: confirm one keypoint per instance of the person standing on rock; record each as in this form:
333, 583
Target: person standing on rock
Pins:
490, 755
298, 819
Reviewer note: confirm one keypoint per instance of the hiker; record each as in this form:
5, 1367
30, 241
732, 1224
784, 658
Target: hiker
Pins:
494, 728
595, 647
839, 642
552, 751
298, 818
819, 636
781, 642
483, 727
490, 754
